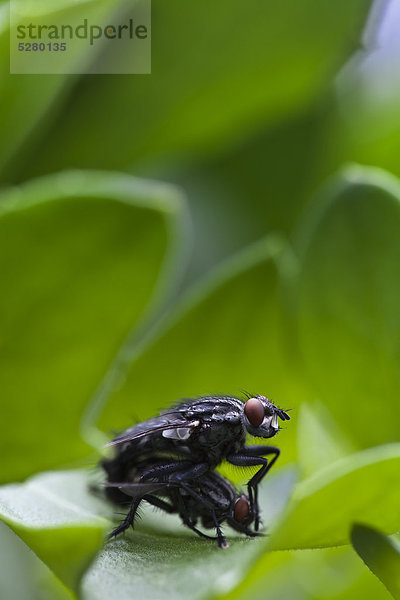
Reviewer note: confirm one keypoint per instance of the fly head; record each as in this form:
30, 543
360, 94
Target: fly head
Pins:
260, 417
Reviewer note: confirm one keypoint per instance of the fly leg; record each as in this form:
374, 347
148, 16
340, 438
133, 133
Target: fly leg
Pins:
159, 503
221, 541
204, 535
130, 517
177, 476
128, 521
193, 473
243, 529
189, 522
183, 512
252, 456
162, 471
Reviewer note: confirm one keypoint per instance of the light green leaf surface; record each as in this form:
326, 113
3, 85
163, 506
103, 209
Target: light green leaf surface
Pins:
320, 441
81, 256
211, 80
348, 298
55, 516
333, 573
161, 560
37, 581
381, 554
227, 336
359, 487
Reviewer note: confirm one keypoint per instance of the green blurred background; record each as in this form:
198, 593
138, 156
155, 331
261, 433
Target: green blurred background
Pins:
230, 222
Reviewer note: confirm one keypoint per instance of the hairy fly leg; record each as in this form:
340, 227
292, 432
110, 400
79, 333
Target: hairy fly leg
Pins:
163, 471
159, 503
222, 543
194, 473
244, 529
129, 519
187, 519
180, 507
253, 456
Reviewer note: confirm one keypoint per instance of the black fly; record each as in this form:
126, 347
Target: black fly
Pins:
201, 432
210, 499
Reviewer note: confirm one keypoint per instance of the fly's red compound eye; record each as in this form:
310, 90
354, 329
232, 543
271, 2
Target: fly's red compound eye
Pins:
241, 511
254, 411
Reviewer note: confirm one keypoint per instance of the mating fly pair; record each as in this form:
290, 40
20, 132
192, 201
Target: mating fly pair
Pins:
210, 499
174, 455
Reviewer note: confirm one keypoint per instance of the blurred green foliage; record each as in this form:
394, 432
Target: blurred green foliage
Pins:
279, 274
77, 281
218, 71
348, 300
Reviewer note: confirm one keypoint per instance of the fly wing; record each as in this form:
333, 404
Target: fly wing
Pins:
138, 490
180, 421
175, 424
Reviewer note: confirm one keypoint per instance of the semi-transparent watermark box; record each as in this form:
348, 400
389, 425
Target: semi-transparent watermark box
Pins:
75, 36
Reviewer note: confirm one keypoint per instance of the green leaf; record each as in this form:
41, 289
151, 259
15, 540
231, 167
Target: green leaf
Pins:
226, 336
227, 193
45, 93
324, 506
319, 440
334, 573
81, 256
23, 576
199, 96
176, 564
17, 122
348, 298
380, 554
232, 190
55, 516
